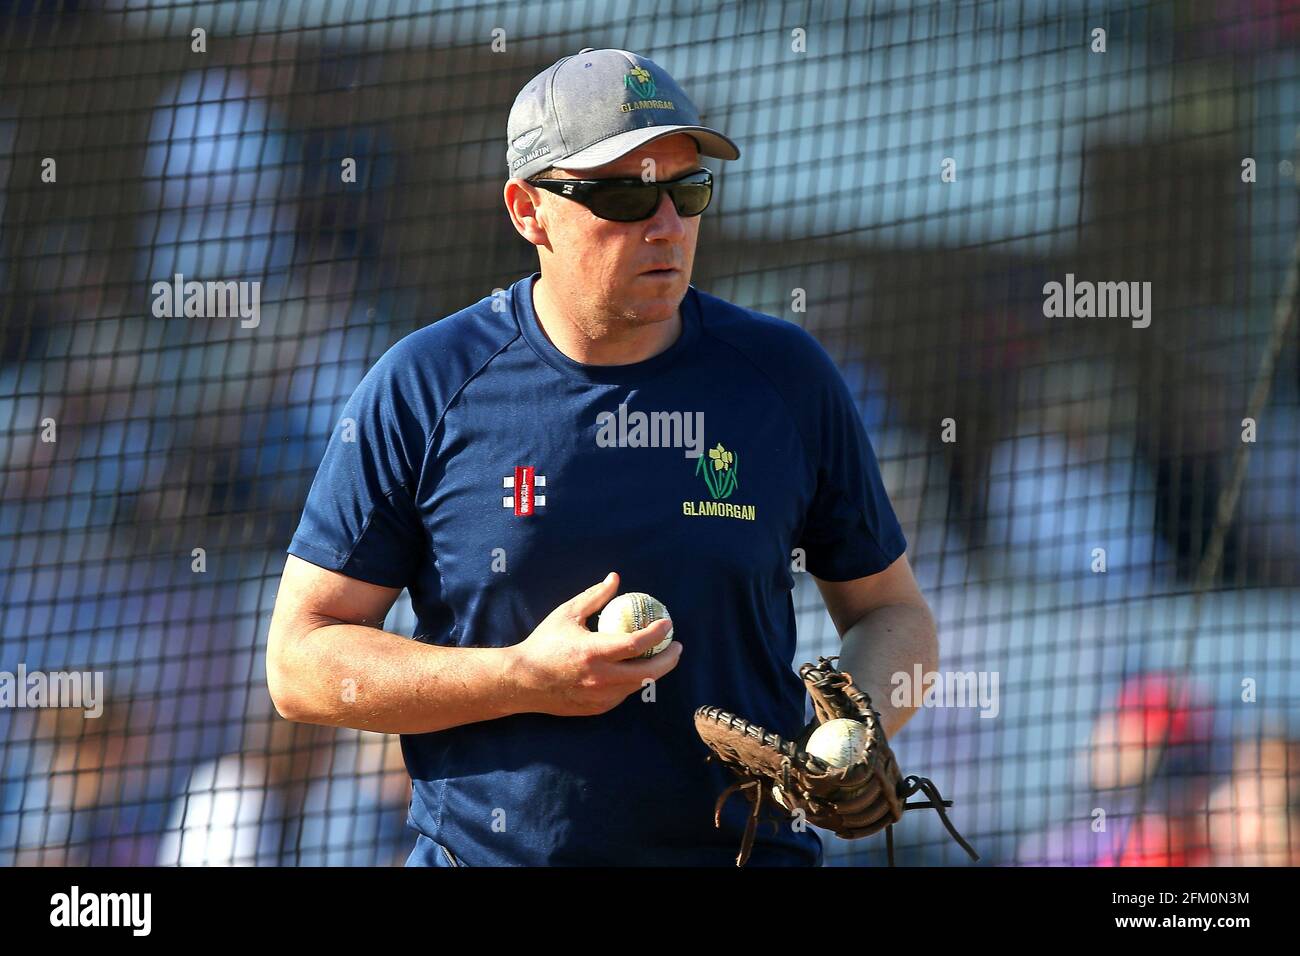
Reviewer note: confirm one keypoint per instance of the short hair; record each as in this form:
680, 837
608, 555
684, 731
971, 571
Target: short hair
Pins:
548, 173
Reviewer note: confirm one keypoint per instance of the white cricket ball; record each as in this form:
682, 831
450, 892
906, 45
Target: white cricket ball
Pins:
841, 743
631, 612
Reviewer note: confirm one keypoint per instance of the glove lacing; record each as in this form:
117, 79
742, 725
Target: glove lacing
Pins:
912, 784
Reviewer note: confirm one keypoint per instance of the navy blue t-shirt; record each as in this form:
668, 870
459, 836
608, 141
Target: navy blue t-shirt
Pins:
495, 478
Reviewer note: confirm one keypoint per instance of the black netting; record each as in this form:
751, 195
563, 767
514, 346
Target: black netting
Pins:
921, 171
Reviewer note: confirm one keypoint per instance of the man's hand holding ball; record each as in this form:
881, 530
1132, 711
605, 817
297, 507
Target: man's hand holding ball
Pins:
566, 669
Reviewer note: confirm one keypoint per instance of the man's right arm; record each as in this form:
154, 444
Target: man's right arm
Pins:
328, 661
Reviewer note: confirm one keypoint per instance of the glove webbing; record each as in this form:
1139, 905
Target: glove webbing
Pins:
911, 784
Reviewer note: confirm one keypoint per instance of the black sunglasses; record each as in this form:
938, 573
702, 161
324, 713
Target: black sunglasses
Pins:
631, 200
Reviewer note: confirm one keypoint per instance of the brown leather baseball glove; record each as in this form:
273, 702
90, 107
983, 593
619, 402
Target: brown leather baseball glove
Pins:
854, 801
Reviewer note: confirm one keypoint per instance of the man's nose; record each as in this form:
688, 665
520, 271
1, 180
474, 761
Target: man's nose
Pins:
666, 223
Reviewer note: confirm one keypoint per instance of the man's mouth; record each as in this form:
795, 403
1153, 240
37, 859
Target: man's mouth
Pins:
666, 271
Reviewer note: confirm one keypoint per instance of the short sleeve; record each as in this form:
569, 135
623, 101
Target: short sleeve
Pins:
850, 530
360, 518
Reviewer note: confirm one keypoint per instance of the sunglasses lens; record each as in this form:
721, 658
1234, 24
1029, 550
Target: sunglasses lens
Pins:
624, 203
692, 199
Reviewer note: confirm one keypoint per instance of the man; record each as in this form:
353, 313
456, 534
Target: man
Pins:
496, 464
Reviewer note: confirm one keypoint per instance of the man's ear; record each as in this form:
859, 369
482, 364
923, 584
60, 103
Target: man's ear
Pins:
525, 205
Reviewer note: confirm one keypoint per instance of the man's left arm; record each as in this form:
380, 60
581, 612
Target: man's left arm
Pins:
886, 628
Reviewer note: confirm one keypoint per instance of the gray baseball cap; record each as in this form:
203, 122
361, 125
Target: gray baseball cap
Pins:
589, 109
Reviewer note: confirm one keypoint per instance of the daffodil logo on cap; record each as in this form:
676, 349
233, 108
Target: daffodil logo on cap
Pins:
640, 82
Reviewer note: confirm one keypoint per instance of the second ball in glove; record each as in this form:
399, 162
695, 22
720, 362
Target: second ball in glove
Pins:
863, 796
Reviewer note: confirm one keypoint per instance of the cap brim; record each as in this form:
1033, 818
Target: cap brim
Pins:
710, 141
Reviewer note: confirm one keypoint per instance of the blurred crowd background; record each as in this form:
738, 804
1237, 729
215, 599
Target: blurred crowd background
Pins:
1141, 720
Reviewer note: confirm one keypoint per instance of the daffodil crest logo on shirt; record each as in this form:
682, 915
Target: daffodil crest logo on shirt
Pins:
720, 471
